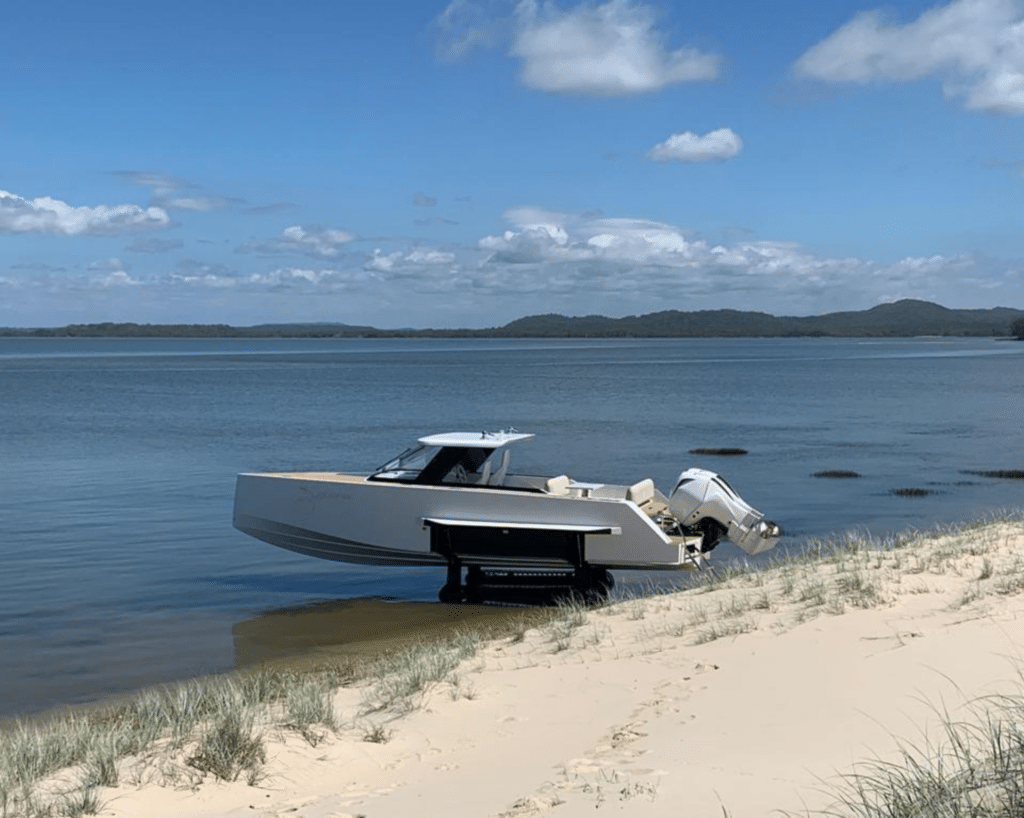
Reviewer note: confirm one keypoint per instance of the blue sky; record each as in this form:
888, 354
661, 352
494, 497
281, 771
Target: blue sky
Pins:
416, 164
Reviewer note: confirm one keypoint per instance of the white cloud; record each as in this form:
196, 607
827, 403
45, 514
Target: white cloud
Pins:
386, 262
382, 262
166, 192
46, 215
610, 49
544, 261
607, 50
430, 257
542, 236
975, 46
109, 265
318, 242
324, 281
118, 278
689, 147
464, 26
644, 263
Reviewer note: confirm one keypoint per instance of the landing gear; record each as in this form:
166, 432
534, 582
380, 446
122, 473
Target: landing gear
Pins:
592, 583
474, 584
587, 583
451, 591
603, 582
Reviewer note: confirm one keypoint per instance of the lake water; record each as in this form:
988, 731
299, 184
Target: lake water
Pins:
120, 567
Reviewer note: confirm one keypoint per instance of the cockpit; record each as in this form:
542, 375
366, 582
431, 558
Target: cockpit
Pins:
455, 458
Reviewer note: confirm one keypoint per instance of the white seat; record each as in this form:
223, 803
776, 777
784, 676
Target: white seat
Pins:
641, 492
557, 485
485, 474
499, 476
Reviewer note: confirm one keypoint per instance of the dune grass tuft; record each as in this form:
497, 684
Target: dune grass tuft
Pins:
221, 725
377, 734
402, 677
85, 800
974, 770
570, 614
309, 708
230, 746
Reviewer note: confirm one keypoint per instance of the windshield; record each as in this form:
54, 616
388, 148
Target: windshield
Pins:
409, 463
467, 465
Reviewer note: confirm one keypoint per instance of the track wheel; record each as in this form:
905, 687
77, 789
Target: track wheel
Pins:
474, 584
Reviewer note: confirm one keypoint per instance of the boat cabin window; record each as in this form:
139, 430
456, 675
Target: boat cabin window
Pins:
408, 464
454, 464
433, 465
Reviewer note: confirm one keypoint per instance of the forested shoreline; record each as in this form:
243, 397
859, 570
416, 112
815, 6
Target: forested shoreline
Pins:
907, 318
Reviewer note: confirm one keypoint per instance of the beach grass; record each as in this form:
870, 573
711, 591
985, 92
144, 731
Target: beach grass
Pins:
230, 745
973, 769
400, 680
221, 727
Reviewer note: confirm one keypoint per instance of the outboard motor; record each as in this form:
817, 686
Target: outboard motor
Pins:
703, 500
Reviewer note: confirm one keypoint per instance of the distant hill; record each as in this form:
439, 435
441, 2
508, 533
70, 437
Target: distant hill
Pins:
900, 319
903, 319
313, 329
110, 329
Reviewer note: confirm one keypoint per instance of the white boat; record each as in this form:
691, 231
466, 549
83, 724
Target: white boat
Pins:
451, 500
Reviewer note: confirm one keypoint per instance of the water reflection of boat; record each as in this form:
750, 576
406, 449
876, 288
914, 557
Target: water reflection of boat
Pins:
451, 500
322, 631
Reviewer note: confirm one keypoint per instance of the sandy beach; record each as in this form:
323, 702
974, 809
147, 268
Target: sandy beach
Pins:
752, 693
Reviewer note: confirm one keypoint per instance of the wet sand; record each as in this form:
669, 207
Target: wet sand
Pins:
359, 628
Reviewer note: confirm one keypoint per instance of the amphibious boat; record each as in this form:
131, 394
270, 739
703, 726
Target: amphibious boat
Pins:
451, 500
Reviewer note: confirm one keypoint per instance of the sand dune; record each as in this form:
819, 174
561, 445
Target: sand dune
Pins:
743, 697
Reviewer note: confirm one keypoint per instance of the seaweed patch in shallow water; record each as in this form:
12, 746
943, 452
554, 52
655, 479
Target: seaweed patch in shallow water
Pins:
912, 492
836, 473
718, 450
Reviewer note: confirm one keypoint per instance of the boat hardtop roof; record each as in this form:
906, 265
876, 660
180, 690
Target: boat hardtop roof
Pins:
475, 440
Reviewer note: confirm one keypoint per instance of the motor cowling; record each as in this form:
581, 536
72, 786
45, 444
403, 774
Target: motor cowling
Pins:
703, 500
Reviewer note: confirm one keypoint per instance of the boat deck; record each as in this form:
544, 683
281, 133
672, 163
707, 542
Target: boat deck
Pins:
319, 476
652, 505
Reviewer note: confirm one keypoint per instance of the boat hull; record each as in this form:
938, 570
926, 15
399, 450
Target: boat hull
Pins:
351, 519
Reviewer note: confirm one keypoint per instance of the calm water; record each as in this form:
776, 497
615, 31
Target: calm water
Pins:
120, 567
